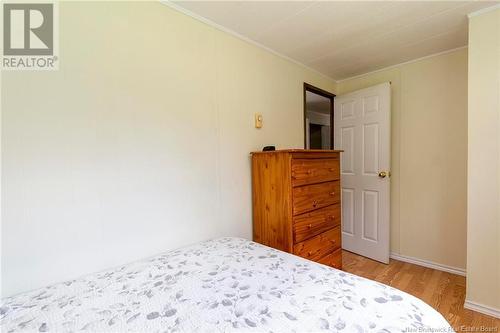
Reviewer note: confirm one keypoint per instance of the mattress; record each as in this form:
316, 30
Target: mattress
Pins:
222, 285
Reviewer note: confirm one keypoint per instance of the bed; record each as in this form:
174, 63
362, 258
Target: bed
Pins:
222, 285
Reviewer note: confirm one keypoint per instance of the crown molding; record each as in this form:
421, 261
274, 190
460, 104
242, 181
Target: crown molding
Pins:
233, 33
484, 10
404, 63
239, 36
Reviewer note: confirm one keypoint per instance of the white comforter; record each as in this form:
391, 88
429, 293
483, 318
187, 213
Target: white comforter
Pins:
223, 285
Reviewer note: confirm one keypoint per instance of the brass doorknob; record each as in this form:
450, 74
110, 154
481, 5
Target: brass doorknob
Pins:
382, 174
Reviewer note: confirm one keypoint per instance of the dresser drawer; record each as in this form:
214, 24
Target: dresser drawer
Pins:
311, 171
319, 246
333, 259
311, 197
313, 223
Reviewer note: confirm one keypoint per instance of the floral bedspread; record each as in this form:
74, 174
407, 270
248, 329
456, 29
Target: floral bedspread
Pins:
222, 285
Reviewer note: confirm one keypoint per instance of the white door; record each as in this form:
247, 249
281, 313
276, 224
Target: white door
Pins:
362, 128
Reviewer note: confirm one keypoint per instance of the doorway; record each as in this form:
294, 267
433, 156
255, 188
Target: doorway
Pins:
318, 118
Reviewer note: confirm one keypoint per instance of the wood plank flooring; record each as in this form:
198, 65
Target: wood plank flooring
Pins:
443, 291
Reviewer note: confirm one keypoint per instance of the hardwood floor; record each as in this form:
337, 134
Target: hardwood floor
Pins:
443, 291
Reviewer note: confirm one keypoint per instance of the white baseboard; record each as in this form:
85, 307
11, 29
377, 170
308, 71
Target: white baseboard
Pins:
429, 264
484, 309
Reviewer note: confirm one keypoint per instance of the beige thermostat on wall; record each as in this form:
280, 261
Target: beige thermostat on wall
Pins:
258, 120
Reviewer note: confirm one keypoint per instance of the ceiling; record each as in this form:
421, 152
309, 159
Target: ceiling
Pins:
345, 39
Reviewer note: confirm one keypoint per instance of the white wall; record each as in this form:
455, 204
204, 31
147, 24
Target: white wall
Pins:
483, 202
139, 143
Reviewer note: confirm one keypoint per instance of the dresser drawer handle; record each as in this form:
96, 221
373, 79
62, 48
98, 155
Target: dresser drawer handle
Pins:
309, 172
315, 203
309, 253
309, 226
332, 169
332, 193
330, 217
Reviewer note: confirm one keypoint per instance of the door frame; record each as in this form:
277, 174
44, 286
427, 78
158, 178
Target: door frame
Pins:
324, 93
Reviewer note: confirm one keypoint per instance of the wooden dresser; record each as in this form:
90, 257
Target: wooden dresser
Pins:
296, 203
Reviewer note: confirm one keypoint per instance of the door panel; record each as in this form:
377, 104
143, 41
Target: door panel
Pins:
370, 104
348, 211
362, 130
370, 215
347, 110
347, 160
370, 149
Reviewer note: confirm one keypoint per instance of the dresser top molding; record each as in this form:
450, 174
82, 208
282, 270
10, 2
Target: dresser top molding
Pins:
297, 151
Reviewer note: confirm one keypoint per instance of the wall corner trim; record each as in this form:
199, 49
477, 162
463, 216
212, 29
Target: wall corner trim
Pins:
428, 264
481, 308
484, 10
233, 33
